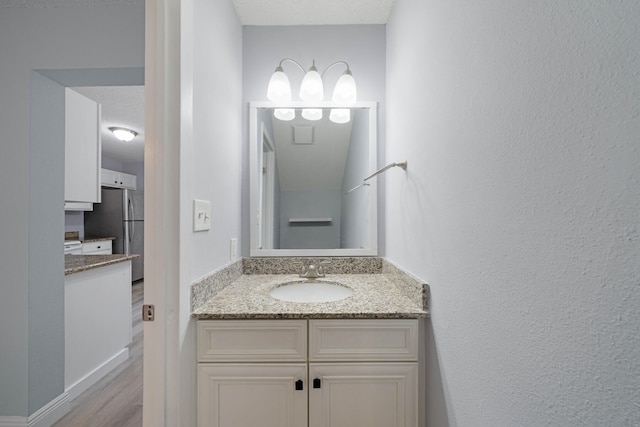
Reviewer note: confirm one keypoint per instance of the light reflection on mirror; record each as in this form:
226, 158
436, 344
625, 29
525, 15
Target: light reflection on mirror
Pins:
301, 171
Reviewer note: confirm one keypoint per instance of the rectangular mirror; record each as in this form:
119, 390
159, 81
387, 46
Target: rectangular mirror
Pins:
301, 174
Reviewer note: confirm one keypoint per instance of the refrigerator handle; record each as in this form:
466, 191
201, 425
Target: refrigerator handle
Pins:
131, 207
132, 230
131, 224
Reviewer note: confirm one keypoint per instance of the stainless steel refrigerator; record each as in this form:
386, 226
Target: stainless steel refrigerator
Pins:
120, 215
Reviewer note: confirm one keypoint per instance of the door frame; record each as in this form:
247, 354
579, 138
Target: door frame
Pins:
267, 210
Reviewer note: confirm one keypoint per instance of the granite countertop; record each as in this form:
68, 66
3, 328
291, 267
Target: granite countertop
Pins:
374, 296
96, 239
78, 263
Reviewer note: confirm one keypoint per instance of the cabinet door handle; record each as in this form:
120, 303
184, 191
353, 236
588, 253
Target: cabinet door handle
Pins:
317, 383
299, 385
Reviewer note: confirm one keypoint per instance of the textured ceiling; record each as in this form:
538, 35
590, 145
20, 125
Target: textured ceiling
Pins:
122, 106
263, 12
66, 3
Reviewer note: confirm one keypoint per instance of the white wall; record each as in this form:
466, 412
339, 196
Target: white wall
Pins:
355, 216
210, 169
520, 205
32, 275
362, 46
215, 159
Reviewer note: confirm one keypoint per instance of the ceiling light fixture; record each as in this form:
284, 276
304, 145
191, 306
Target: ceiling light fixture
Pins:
312, 91
123, 134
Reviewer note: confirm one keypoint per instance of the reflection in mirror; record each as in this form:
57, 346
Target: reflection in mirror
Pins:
301, 171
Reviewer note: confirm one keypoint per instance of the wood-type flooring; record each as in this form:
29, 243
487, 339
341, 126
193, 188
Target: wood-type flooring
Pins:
115, 400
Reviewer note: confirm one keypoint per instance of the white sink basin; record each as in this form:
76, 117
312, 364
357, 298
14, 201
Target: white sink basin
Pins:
311, 291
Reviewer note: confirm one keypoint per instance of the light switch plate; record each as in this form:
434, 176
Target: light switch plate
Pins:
201, 215
233, 249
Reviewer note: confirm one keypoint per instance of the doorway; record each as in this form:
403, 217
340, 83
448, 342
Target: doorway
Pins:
46, 190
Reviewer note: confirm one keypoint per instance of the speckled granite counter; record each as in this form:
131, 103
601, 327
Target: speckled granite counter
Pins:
380, 290
78, 263
97, 239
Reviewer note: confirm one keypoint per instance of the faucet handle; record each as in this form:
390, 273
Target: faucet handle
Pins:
321, 265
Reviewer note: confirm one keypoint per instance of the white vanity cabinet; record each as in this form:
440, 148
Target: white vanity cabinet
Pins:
83, 150
316, 373
252, 373
363, 372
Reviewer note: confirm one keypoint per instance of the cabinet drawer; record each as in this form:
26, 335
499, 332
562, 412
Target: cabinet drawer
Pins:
252, 341
363, 340
98, 247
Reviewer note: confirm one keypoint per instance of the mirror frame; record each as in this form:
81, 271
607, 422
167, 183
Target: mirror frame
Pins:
254, 204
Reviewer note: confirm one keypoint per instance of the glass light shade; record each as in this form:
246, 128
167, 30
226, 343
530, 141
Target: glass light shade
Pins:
340, 115
123, 134
284, 114
312, 113
279, 89
345, 91
311, 88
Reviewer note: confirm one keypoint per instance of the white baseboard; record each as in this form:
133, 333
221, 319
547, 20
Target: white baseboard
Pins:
43, 417
94, 376
13, 421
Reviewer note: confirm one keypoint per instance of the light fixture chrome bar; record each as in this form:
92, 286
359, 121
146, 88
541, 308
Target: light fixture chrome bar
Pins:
291, 60
334, 64
402, 165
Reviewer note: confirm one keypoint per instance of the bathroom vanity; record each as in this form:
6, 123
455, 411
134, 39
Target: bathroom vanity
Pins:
355, 361
331, 372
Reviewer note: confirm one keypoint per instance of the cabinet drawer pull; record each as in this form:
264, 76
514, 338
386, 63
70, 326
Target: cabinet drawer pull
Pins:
317, 383
299, 385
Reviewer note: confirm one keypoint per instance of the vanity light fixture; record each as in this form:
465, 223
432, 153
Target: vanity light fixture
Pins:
312, 91
284, 114
123, 134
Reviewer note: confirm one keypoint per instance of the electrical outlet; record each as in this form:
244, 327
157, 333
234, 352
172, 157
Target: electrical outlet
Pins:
201, 215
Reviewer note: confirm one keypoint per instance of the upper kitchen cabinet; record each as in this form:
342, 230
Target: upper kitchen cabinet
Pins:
117, 179
82, 152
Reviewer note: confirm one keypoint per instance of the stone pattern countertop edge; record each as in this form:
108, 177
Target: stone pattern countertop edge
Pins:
78, 263
407, 286
96, 239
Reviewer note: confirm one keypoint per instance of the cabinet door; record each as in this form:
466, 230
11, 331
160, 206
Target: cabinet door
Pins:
249, 395
128, 181
101, 247
109, 178
82, 149
363, 394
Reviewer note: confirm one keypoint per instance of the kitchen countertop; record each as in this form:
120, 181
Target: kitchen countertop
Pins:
96, 239
374, 296
78, 263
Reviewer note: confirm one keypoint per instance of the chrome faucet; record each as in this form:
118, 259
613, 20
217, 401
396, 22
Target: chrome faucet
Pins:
313, 271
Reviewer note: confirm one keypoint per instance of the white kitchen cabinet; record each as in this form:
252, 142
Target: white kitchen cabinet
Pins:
97, 324
361, 372
78, 206
100, 247
82, 151
115, 179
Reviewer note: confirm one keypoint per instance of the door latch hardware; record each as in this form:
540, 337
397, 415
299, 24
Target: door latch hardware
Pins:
299, 385
148, 312
317, 383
